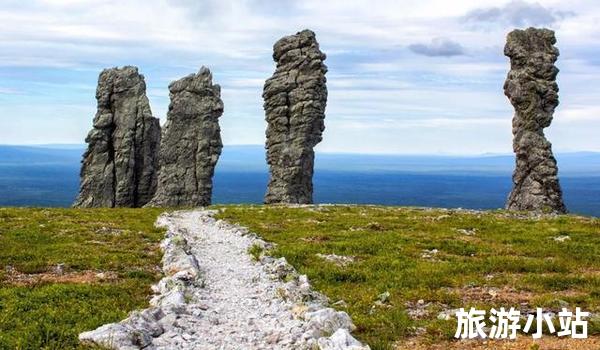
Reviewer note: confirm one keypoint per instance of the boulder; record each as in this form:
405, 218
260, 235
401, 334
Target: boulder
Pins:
341, 340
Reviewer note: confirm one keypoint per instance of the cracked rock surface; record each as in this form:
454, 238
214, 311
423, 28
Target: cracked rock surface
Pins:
294, 101
532, 90
215, 296
191, 142
119, 166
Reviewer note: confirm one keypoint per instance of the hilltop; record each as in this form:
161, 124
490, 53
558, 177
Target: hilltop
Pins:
430, 261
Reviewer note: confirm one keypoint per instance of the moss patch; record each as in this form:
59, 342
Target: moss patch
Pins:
449, 259
45, 247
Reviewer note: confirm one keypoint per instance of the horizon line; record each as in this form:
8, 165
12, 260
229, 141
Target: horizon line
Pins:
486, 154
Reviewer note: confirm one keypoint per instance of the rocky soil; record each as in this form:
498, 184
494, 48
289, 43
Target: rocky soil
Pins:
215, 295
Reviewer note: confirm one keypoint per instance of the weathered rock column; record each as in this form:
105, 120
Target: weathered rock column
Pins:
119, 166
532, 90
191, 142
295, 99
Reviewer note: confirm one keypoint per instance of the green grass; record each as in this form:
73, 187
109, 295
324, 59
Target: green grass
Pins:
50, 315
255, 251
388, 243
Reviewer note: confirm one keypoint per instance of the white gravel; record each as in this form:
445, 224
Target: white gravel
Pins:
215, 296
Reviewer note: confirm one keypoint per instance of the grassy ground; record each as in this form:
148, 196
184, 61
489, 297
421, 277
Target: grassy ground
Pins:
63, 271
433, 260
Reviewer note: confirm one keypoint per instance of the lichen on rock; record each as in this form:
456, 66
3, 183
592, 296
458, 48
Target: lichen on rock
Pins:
119, 166
191, 142
294, 101
532, 90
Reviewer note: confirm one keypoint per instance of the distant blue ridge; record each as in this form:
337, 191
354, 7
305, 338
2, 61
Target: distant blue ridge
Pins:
48, 175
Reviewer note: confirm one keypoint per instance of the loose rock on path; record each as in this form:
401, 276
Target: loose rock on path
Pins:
216, 296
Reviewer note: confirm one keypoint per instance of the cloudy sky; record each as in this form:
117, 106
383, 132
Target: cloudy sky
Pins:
422, 76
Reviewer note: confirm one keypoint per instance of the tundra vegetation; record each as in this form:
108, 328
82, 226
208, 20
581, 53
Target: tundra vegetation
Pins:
64, 271
397, 271
432, 261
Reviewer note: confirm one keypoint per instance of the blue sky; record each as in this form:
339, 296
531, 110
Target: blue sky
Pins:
407, 77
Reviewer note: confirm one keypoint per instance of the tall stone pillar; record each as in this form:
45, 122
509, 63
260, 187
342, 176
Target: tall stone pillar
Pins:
120, 164
191, 142
294, 101
532, 90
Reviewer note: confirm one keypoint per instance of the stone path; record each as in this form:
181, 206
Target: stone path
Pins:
216, 296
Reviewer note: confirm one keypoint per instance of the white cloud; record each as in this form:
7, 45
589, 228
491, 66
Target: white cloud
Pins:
52, 50
438, 47
578, 114
517, 13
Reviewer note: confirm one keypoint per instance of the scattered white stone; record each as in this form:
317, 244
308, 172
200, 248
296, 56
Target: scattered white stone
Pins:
341, 340
59, 269
339, 260
215, 296
447, 315
429, 254
467, 231
112, 336
325, 322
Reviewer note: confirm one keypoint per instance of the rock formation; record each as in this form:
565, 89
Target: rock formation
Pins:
295, 98
532, 90
191, 142
119, 166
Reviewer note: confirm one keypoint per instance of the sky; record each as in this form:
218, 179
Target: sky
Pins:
405, 77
